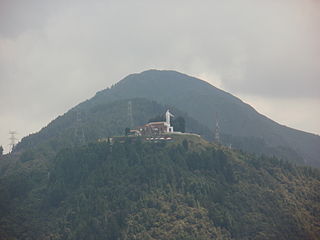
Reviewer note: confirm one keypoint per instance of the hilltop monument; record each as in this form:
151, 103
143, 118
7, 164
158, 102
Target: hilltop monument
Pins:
155, 128
168, 118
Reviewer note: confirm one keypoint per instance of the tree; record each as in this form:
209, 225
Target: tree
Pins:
159, 118
127, 131
27, 155
179, 124
1, 151
185, 144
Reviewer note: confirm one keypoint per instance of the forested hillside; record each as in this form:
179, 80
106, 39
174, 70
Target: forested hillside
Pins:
185, 189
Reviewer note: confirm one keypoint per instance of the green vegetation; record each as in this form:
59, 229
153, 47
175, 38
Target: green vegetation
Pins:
179, 124
158, 118
60, 184
185, 189
126, 131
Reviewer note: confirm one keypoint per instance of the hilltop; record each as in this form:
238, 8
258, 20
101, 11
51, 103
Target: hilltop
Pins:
99, 121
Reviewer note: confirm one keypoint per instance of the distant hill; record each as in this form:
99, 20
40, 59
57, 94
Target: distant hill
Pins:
186, 189
204, 103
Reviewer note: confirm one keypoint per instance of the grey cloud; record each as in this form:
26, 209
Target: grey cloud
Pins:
54, 54
17, 16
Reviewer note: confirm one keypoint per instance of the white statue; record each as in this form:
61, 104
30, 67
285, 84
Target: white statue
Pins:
168, 115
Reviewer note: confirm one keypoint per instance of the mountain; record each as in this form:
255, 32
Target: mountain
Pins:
184, 189
67, 181
205, 103
240, 125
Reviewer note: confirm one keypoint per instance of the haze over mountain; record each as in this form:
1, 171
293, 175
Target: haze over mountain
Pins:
240, 125
206, 104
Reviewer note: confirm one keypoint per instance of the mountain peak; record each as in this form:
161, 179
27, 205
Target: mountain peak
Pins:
161, 71
168, 82
161, 75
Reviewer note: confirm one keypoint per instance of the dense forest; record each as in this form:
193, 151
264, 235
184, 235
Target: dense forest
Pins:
184, 189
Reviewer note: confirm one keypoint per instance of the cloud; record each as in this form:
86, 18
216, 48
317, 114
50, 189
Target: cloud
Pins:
55, 54
281, 109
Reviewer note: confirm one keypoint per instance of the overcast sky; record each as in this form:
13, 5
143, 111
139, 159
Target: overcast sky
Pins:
55, 54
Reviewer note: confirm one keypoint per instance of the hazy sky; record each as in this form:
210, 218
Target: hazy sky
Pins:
55, 54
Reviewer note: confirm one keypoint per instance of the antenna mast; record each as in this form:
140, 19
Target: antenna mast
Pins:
130, 118
12, 139
217, 132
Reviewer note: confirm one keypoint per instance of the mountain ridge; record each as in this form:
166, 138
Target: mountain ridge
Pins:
240, 124
204, 102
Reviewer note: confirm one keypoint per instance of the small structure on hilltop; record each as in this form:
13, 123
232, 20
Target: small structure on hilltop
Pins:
168, 123
155, 128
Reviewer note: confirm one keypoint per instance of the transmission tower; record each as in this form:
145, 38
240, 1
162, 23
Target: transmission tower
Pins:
216, 135
130, 118
12, 139
78, 132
